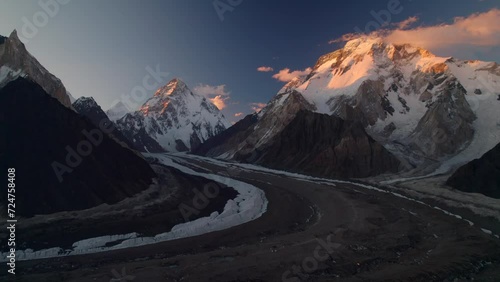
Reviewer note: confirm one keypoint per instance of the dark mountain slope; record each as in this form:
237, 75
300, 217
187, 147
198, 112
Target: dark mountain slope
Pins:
228, 138
324, 145
39, 132
89, 108
479, 176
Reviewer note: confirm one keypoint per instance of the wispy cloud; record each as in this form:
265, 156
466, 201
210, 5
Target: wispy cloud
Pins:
345, 38
480, 29
473, 31
407, 23
285, 75
218, 94
257, 107
265, 69
238, 114
220, 101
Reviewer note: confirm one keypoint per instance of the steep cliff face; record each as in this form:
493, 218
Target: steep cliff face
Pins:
479, 176
447, 126
63, 162
324, 145
16, 61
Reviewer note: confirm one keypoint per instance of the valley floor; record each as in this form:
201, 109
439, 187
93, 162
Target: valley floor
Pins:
313, 230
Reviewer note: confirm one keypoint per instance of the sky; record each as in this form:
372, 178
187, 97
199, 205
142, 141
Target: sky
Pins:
238, 53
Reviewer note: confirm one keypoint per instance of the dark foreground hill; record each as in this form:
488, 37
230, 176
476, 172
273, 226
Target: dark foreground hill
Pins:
63, 162
479, 176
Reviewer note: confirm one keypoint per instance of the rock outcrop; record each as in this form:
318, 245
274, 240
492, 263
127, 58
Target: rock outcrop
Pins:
16, 61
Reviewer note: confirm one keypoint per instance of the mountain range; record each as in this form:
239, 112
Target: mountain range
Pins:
422, 108
175, 118
367, 109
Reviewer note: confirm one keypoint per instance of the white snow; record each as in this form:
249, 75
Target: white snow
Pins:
176, 113
117, 111
324, 181
7, 74
367, 58
250, 204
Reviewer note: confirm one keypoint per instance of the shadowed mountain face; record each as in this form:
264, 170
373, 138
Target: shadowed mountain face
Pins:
256, 130
479, 176
287, 134
63, 162
89, 108
324, 145
228, 138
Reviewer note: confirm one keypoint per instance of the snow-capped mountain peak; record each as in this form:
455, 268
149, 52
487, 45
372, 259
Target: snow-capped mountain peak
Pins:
176, 118
87, 102
175, 86
398, 91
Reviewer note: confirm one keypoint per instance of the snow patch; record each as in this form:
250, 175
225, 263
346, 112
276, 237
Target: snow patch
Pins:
250, 204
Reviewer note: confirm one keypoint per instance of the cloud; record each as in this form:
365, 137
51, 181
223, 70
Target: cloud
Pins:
257, 107
207, 90
462, 37
285, 75
238, 114
345, 38
218, 95
406, 23
479, 30
220, 101
265, 69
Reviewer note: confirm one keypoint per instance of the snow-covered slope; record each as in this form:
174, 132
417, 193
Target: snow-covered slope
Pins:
117, 111
176, 118
423, 108
88, 107
419, 105
16, 61
71, 98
